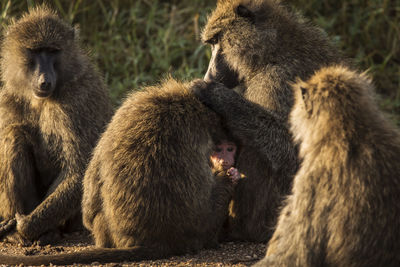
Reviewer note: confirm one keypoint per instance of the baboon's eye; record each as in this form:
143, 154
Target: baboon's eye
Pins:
53, 50
230, 149
218, 149
31, 63
214, 40
244, 12
30, 58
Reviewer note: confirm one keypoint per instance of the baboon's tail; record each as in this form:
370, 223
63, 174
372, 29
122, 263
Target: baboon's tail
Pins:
100, 255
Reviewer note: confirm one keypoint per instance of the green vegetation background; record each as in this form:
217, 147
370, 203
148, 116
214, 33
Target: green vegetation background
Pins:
139, 42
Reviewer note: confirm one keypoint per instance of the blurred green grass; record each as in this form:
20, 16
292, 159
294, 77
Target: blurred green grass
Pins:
134, 43
369, 32
139, 42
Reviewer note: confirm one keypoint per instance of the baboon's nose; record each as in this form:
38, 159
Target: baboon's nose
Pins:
45, 83
45, 86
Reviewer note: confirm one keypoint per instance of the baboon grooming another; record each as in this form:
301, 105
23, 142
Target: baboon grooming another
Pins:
149, 191
53, 107
344, 209
261, 46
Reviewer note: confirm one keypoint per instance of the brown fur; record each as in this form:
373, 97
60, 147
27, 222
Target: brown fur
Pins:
344, 209
142, 180
45, 144
149, 190
266, 47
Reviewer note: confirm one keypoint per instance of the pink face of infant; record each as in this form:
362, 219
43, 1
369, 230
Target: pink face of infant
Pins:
224, 155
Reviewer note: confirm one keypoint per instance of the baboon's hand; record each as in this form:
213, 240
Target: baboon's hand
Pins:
21, 223
9, 231
219, 98
7, 226
200, 89
15, 238
209, 93
234, 175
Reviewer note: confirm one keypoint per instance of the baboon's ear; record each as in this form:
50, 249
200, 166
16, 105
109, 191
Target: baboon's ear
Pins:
306, 100
244, 12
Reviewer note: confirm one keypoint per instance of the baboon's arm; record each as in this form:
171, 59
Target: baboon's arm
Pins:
17, 172
65, 200
62, 204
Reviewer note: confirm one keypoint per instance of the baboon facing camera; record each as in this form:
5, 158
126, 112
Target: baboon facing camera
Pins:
53, 107
149, 191
344, 208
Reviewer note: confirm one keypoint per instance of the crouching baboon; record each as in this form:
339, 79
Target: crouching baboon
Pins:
261, 46
149, 191
53, 107
344, 209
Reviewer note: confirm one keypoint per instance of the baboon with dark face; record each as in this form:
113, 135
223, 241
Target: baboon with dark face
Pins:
149, 191
344, 209
53, 107
261, 46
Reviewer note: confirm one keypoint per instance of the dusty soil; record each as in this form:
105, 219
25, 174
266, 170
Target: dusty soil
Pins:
228, 254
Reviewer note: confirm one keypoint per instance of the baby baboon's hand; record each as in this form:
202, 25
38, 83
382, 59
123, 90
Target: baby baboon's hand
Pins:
234, 175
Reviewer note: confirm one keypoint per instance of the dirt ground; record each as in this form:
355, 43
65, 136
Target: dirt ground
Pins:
228, 254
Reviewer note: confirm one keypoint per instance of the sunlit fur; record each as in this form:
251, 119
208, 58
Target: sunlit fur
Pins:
45, 144
278, 39
149, 180
344, 209
268, 52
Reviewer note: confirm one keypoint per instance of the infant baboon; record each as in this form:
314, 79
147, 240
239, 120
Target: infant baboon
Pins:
344, 209
53, 107
223, 159
261, 46
149, 190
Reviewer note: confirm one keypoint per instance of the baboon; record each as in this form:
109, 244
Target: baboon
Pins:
344, 208
223, 159
53, 107
260, 46
149, 191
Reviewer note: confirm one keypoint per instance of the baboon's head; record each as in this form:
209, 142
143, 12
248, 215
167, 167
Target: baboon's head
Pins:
245, 35
332, 105
35, 51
